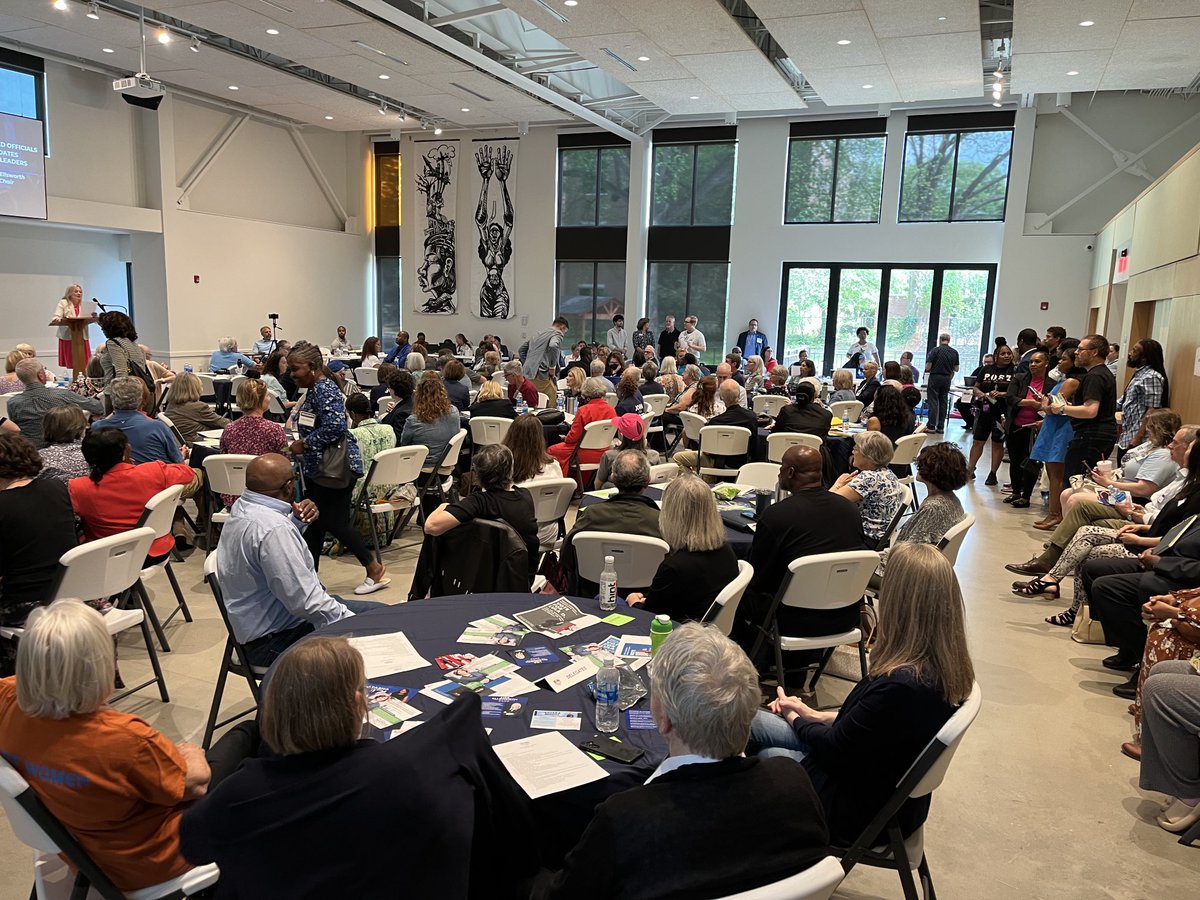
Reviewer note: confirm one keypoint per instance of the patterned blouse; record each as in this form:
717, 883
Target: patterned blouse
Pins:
641, 340
880, 492
10, 384
64, 461
373, 438
325, 401
254, 435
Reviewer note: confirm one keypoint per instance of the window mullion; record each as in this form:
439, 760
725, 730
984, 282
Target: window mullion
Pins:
837, 152
954, 177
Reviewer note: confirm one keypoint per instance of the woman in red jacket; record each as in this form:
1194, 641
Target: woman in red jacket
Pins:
595, 408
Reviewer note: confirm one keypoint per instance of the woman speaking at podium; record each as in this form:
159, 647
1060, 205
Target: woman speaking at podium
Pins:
69, 307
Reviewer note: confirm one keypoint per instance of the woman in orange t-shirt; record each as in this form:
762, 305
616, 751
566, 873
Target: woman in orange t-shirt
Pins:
117, 785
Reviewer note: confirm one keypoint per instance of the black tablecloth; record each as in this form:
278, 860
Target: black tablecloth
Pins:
433, 627
839, 448
739, 541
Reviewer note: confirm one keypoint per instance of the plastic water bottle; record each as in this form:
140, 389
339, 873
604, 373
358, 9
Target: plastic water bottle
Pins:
188, 369
1045, 499
562, 402
608, 585
660, 628
608, 692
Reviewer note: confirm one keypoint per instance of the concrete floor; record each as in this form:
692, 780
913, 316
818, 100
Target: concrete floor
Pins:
1039, 802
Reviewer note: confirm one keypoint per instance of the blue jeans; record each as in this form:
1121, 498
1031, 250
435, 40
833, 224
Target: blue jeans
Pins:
771, 735
359, 606
264, 650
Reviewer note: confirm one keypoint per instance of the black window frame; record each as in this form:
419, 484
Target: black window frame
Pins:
694, 138
595, 264
687, 299
36, 66
958, 125
599, 150
853, 129
885, 286
386, 240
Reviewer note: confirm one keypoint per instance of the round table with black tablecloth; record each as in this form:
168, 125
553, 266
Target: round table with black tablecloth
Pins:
838, 445
739, 541
433, 627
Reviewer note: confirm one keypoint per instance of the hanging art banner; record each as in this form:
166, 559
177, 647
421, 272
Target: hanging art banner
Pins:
437, 187
495, 162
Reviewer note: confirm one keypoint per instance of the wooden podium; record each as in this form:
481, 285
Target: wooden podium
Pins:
78, 326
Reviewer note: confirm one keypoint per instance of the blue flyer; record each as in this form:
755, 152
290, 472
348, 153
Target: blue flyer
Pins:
509, 707
533, 656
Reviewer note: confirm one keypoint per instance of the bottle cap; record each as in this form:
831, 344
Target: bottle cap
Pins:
608, 560
663, 617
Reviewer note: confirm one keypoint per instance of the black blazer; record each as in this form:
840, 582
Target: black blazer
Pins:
866, 391
688, 581
500, 409
691, 833
397, 416
1017, 388
308, 826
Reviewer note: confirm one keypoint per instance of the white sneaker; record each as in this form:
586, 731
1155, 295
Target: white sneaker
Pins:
370, 586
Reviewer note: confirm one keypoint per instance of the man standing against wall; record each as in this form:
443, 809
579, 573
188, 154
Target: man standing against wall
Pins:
752, 342
618, 337
539, 359
692, 340
940, 366
668, 338
1093, 414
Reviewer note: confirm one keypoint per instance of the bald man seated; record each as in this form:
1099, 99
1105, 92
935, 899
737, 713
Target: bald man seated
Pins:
272, 593
810, 521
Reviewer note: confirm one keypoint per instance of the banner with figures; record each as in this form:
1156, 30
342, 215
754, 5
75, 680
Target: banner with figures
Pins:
493, 283
437, 190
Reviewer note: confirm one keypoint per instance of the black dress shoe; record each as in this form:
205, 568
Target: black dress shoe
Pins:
1119, 663
1126, 691
1020, 503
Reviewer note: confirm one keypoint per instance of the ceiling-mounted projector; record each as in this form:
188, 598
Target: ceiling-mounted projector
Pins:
140, 90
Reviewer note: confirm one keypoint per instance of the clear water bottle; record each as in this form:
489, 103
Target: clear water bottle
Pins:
660, 629
608, 692
188, 369
608, 585
1045, 499
562, 402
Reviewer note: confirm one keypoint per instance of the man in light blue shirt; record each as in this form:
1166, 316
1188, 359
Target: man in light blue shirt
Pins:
272, 594
264, 346
226, 356
149, 439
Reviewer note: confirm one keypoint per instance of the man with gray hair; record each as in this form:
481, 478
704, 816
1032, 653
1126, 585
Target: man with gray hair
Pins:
226, 356
940, 365
540, 357
735, 415
149, 439
29, 407
514, 374
686, 828
629, 511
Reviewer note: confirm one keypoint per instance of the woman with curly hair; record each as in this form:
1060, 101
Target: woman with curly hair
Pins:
121, 354
629, 398
669, 378
433, 421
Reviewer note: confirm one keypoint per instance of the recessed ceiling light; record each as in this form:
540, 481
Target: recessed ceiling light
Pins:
464, 109
437, 130
329, 118
384, 77
867, 87
843, 42
693, 97
643, 59
164, 36
272, 31
1073, 72
1086, 23
60, 4
107, 50
941, 18
570, 2
234, 87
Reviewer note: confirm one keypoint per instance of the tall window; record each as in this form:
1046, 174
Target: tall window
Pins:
699, 289
590, 293
904, 307
693, 183
835, 172
387, 238
956, 175
22, 90
593, 186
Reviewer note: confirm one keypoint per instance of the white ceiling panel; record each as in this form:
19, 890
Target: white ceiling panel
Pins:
909, 18
1163, 9
685, 26
782, 9
250, 26
746, 71
16, 23
844, 87
419, 58
1048, 27
773, 101
1046, 73
589, 18
812, 41
359, 71
935, 66
629, 46
676, 96
306, 13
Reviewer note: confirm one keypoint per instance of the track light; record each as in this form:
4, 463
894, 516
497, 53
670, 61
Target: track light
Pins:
164, 36
195, 47
93, 10
383, 107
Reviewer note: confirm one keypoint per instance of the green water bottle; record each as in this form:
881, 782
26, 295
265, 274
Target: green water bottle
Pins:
659, 629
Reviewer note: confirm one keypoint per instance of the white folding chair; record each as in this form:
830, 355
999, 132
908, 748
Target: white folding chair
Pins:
383, 406
276, 407
224, 473
817, 882
847, 410
953, 539
721, 441
596, 436
769, 404
692, 423
159, 514
820, 582
663, 473
778, 444
543, 400
110, 568
396, 466
235, 660
39, 829
655, 403
551, 500
4, 404
486, 430
208, 386
233, 384
763, 476
635, 556
723, 612
366, 376
442, 471
175, 432
923, 777
905, 454
611, 397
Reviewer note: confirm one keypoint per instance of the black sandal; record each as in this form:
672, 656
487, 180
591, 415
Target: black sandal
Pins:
1039, 587
1021, 503
1066, 618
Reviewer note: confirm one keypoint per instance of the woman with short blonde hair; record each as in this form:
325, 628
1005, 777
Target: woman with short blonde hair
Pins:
490, 390
700, 563
187, 412
921, 671
10, 383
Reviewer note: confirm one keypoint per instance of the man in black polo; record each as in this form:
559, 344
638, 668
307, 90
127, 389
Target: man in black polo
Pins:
940, 366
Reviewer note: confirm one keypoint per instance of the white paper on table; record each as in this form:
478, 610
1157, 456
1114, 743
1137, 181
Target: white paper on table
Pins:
512, 686
547, 763
564, 678
387, 654
404, 726
634, 646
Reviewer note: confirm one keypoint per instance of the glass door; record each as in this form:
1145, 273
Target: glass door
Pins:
857, 307
806, 314
965, 310
910, 302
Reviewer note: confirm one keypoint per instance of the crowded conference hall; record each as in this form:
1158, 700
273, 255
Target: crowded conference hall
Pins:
789, 488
